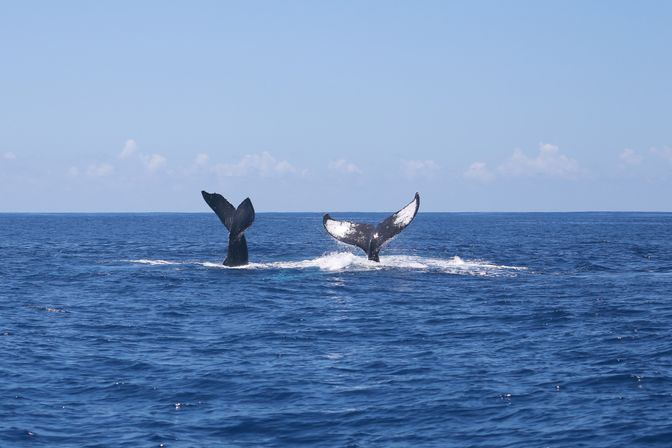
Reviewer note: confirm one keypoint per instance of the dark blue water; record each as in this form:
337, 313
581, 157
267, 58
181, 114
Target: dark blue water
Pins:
492, 330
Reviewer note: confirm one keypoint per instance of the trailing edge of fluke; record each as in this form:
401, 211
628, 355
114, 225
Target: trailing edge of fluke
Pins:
236, 220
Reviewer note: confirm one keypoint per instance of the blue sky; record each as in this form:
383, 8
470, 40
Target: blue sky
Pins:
336, 106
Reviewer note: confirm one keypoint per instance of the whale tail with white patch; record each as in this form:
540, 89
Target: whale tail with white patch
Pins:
236, 220
371, 239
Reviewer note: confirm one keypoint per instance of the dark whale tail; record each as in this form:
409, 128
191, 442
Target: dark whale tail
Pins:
370, 238
236, 220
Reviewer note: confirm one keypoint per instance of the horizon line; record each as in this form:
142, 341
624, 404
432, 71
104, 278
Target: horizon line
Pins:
319, 212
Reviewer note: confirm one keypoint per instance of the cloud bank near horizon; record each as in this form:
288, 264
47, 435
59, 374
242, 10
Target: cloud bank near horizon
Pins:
134, 167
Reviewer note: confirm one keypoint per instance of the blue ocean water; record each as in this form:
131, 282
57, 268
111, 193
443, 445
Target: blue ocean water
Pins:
488, 330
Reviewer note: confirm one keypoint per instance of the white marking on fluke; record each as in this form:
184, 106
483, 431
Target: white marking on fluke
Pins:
406, 214
339, 229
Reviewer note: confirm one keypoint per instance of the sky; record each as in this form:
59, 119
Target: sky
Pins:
336, 105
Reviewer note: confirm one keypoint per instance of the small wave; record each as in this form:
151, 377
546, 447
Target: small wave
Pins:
55, 310
154, 262
208, 264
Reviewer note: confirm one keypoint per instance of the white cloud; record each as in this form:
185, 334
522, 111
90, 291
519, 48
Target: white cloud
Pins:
345, 167
419, 168
73, 171
665, 153
98, 170
548, 162
9, 156
630, 157
201, 159
154, 162
263, 165
478, 171
130, 147
284, 167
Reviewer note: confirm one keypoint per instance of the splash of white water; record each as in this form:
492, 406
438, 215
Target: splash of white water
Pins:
346, 261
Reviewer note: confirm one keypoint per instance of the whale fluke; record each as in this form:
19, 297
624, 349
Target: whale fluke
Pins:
371, 239
236, 220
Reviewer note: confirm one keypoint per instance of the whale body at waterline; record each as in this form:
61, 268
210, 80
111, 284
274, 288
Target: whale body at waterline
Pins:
236, 220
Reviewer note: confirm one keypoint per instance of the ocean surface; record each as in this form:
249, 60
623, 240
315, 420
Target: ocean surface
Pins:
475, 330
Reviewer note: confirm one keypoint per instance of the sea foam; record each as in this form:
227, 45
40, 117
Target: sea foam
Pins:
347, 261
